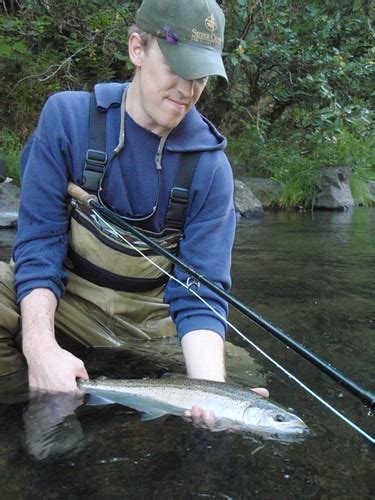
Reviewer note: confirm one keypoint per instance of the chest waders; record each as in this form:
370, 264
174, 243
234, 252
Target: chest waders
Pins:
107, 271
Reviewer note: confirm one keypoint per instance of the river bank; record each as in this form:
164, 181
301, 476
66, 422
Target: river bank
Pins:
252, 196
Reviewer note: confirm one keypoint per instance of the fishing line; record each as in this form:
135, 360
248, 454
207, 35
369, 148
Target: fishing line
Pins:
360, 392
189, 288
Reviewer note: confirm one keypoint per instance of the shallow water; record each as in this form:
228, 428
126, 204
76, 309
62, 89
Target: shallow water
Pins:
313, 275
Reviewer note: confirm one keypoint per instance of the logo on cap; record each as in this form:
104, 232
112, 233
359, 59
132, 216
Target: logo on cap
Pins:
210, 23
209, 38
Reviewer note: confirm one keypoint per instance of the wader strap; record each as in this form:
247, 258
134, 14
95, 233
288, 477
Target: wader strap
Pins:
97, 159
100, 277
179, 197
96, 156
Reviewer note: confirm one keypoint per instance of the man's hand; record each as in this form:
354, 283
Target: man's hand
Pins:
51, 368
206, 418
54, 369
204, 358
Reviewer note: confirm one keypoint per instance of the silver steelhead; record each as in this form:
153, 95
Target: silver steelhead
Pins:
234, 408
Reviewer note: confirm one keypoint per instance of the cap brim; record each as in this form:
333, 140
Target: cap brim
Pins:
192, 62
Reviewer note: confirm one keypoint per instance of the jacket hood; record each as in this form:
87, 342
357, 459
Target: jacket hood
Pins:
193, 133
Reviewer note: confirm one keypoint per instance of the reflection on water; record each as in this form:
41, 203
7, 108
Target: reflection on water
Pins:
51, 429
312, 275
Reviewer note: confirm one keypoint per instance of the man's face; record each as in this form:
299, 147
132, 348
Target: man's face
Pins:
164, 98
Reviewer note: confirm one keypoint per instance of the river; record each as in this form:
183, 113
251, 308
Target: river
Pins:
311, 274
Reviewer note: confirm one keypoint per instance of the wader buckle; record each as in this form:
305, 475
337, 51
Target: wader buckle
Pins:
95, 164
95, 157
179, 195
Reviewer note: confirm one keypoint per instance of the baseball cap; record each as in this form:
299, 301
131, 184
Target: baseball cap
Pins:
190, 34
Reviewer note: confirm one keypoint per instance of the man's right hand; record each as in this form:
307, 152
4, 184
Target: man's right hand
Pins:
51, 368
54, 369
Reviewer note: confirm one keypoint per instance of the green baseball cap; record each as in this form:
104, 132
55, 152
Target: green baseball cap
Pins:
190, 34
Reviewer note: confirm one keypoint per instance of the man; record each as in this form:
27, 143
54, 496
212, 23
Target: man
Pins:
77, 278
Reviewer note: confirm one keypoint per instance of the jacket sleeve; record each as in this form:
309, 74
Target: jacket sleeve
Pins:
41, 241
206, 247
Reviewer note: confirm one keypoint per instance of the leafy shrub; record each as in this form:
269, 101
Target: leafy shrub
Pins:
300, 76
51, 46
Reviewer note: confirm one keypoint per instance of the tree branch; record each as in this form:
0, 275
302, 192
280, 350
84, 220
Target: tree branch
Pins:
47, 75
250, 19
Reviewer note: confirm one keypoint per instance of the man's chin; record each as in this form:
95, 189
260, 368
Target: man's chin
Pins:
167, 126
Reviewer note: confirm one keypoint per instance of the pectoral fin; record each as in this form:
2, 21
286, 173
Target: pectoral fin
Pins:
224, 424
93, 400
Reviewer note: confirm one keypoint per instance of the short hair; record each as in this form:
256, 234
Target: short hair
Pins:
145, 37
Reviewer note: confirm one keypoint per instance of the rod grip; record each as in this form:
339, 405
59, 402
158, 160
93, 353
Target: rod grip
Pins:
80, 194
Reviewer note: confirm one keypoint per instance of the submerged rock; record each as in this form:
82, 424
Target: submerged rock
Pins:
333, 189
246, 203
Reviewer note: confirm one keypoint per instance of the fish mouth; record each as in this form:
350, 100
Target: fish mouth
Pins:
296, 425
285, 434
287, 429
288, 433
299, 428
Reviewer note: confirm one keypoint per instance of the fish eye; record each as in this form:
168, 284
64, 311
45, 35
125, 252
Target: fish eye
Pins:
279, 418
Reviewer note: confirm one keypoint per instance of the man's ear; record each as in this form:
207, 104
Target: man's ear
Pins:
136, 49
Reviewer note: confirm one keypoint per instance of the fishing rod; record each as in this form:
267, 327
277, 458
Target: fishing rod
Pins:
116, 234
358, 391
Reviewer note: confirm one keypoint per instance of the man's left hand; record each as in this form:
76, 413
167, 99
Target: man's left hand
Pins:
206, 418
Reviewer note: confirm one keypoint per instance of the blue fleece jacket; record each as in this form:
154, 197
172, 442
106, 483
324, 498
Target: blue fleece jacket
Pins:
55, 155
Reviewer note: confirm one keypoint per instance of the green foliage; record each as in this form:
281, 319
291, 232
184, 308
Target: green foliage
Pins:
52, 45
280, 160
301, 77
317, 57
297, 162
11, 145
302, 93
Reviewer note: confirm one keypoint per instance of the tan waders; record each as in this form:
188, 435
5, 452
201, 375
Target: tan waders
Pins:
114, 294
13, 371
98, 322
87, 313
94, 316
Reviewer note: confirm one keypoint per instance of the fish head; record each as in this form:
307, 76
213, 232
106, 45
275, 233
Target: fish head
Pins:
273, 421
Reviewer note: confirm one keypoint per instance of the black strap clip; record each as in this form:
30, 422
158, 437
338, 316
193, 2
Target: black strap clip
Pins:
97, 158
179, 195
95, 164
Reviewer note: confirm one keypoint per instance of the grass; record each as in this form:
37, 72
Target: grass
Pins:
296, 162
11, 148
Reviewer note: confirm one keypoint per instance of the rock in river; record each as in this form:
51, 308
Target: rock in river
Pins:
333, 189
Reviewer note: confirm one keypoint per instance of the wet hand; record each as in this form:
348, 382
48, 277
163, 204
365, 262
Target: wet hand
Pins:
55, 370
201, 418
206, 418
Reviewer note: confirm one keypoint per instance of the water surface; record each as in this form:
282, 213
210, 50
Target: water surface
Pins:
313, 275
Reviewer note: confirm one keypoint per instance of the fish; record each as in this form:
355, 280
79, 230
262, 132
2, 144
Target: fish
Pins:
235, 408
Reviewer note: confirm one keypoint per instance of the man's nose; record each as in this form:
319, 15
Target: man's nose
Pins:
186, 87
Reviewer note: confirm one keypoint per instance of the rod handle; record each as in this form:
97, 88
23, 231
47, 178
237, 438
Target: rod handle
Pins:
80, 194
